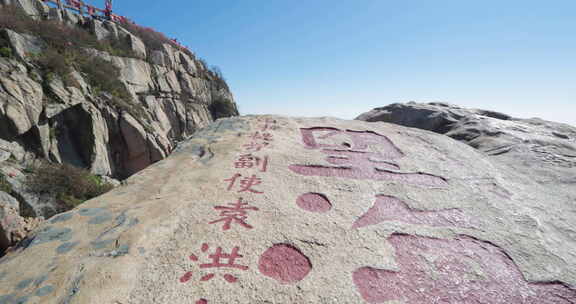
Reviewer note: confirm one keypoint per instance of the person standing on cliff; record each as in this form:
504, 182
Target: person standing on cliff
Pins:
108, 9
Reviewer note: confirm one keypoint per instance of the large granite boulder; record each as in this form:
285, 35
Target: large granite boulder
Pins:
266, 209
543, 150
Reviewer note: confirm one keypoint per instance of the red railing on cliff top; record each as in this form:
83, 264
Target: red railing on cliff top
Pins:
82, 8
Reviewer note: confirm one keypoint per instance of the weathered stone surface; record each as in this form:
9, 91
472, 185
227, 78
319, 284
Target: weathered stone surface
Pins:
10, 150
9, 219
32, 204
73, 19
268, 209
99, 30
543, 150
30, 7
140, 150
158, 58
23, 45
13, 227
20, 100
137, 46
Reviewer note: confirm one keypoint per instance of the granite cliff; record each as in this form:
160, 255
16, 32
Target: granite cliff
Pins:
106, 96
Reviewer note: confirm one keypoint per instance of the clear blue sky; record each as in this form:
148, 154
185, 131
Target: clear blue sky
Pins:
344, 57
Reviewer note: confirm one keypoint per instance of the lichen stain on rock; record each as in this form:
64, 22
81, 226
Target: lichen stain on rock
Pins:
62, 218
66, 247
100, 219
44, 291
50, 234
91, 211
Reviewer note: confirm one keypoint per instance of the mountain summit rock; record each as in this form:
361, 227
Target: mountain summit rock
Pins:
267, 209
544, 151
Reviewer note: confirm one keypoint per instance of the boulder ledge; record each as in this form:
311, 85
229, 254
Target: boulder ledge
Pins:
267, 209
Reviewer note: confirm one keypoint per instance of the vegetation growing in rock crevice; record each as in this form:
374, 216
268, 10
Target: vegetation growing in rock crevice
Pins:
152, 39
4, 184
155, 41
5, 52
70, 185
64, 53
58, 35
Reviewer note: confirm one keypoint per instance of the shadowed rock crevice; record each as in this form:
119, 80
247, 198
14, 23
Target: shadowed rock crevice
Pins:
75, 136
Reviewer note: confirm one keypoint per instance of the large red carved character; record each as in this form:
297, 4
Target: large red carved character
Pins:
359, 155
460, 270
389, 208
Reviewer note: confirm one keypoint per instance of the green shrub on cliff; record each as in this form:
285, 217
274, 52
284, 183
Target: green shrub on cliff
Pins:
70, 185
152, 39
4, 184
64, 50
5, 52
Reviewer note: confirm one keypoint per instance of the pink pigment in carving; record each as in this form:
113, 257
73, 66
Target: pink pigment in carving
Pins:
246, 184
327, 138
388, 208
254, 146
262, 136
202, 301
231, 258
284, 263
186, 277
219, 260
269, 124
417, 179
249, 161
234, 213
461, 270
314, 202
359, 155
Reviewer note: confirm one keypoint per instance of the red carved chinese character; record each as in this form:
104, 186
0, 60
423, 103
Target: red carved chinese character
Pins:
219, 260
434, 270
264, 136
359, 155
246, 183
244, 161
269, 124
249, 161
255, 146
232, 181
236, 213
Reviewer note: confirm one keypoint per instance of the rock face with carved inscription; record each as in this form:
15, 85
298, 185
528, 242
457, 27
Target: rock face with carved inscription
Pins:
267, 209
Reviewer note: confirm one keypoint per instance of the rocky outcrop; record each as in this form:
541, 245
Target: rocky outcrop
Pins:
267, 209
13, 227
544, 150
69, 119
